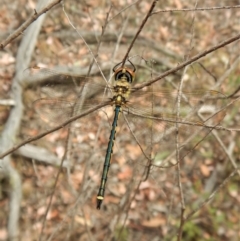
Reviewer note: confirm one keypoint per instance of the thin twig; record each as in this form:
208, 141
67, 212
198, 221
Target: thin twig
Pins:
54, 187
178, 156
185, 122
124, 222
135, 138
195, 9
124, 9
119, 39
89, 49
183, 207
139, 31
230, 157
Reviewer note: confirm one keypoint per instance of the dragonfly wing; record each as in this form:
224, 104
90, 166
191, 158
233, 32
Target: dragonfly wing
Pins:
152, 117
53, 111
62, 96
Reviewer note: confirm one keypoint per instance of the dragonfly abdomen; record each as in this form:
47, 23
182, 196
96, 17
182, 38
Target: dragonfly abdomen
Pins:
107, 161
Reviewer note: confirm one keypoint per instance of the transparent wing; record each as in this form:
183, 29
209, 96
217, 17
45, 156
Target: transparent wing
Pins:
151, 117
62, 96
61, 92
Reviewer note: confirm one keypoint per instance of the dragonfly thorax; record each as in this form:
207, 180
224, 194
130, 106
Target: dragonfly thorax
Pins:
121, 92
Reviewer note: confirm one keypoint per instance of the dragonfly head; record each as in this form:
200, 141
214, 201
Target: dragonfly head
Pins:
124, 72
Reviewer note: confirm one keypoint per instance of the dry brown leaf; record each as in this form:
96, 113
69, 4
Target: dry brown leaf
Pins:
111, 199
52, 214
3, 234
144, 185
205, 170
66, 197
83, 221
133, 151
178, 4
126, 173
154, 222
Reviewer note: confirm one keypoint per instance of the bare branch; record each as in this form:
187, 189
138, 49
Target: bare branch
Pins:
24, 26
40, 154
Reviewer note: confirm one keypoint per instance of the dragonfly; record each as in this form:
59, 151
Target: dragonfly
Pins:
144, 108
